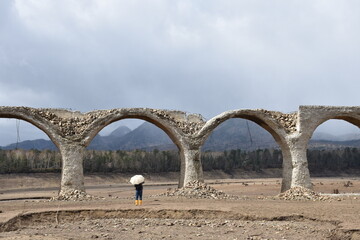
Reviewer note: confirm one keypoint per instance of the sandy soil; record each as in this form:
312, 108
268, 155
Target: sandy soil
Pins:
26, 213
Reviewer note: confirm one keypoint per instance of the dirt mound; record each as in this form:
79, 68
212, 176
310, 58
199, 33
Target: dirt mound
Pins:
71, 216
300, 193
196, 189
162, 224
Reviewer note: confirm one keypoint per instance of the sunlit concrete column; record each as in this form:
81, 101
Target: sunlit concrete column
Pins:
72, 174
300, 172
295, 164
191, 167
300, 175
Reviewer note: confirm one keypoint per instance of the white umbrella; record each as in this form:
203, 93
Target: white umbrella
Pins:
137, 179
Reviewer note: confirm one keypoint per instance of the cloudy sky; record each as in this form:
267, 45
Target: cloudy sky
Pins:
200, 56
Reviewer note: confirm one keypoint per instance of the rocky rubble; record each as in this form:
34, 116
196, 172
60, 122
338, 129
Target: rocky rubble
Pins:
287, 120
75, 195
69, 126
300, 193
196, 189
76, 125
187, 125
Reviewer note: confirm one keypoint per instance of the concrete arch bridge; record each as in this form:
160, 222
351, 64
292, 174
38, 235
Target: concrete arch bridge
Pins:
72, 132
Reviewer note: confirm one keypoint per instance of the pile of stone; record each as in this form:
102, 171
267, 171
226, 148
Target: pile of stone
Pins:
189, 124
288, 121
300, 193
196, 189
75, 195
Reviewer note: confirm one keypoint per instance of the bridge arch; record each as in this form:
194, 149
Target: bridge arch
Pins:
255, 116
311, 117
171, 122
339, 116
98, 125
265, 120
324, 158
25, 115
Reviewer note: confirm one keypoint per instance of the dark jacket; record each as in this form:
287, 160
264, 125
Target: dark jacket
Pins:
138, 187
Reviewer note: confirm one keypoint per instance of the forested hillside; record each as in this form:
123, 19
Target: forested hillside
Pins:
24, 161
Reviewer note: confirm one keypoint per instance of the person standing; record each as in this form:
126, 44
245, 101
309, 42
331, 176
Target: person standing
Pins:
138, 181
138, 194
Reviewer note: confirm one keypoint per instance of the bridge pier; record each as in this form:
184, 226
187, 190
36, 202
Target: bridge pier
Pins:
300, 169
191, 167
295, 169
295, 164
72, 174
286, 170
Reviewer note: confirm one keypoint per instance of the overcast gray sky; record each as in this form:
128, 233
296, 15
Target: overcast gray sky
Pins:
200, 56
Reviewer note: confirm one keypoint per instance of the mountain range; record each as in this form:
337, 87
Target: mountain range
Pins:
232, 134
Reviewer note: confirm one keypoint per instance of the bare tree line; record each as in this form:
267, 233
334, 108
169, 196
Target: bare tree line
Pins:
26, 161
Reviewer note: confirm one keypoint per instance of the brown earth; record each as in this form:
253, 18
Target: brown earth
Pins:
27, 213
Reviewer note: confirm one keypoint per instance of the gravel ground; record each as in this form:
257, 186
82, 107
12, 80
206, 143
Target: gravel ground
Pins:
158, 228
209, 213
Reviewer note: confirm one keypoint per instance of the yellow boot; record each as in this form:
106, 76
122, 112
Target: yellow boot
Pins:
136, 202
140, 202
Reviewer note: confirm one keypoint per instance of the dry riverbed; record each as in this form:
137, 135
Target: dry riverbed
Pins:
255, 212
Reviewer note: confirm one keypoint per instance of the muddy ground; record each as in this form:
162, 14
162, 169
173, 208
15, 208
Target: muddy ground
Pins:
27, 213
